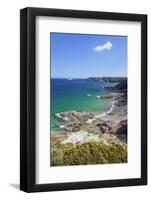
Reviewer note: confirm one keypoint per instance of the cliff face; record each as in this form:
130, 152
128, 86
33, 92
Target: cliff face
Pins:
122, 85
108, 79
95, 79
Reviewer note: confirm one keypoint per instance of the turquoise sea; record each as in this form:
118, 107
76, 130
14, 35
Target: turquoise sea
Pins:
76, 94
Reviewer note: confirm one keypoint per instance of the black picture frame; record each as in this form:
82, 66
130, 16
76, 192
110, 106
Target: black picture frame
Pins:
28, 99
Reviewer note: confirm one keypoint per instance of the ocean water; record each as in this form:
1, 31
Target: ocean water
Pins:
76, 94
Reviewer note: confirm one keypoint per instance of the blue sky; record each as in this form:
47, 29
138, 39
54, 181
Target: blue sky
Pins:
82, 56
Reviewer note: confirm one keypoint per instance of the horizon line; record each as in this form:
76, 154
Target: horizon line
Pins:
90, 76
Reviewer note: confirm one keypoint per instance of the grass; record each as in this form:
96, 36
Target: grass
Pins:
87, 153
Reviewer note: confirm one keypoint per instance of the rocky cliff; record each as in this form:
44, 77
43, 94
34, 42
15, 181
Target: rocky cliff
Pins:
108, 79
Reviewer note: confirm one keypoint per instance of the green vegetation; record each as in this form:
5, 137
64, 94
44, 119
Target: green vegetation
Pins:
56, 155
88, 153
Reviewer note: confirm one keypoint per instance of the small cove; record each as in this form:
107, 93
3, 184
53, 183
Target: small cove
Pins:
79, 95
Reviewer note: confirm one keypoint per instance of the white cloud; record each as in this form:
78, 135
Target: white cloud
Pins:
106, 46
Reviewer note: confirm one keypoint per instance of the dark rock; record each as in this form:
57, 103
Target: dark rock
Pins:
122, 85
117, 128
74, 120
121, 99
122, 127
121, 131
101, 126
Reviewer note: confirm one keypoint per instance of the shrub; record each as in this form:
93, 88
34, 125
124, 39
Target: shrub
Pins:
93, 153
56, 157
87, 153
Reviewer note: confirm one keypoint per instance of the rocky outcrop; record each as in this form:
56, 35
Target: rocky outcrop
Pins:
101, 126
121, 86
107, 79
121, 131
118, 128
75, 116
73, 120
121, 99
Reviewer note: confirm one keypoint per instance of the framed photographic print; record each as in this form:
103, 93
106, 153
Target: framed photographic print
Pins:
83, 98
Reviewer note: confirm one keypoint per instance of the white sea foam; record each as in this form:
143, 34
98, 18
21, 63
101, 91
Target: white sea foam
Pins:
61, 126
60, 117
88, 95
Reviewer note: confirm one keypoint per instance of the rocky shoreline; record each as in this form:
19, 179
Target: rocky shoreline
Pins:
108, 127
85, 138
